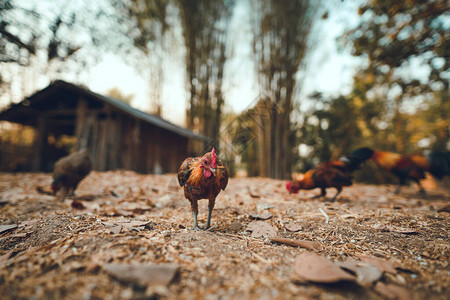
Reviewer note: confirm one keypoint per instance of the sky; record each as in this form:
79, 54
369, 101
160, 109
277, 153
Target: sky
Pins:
329, 71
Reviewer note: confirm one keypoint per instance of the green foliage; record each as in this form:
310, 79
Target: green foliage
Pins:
406, 44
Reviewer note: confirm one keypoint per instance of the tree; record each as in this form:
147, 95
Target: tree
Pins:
49, 37
205, 24
280, 39
147, 23
395, 36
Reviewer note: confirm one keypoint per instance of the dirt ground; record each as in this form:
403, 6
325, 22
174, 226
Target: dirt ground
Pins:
72, 249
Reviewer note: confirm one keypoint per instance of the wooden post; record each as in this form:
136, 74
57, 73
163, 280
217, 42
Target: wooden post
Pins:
80, 124
38, 144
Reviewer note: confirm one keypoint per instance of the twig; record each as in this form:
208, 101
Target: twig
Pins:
324, 214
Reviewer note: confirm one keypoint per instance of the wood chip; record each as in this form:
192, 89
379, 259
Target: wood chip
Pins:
143, 275
4, 228
402, 230
316, 268
316, 246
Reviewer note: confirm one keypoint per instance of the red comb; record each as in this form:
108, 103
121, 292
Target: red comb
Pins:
213, 155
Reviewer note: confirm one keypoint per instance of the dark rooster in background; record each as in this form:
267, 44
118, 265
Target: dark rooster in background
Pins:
330, 174
202, 178
412, 167
69, 171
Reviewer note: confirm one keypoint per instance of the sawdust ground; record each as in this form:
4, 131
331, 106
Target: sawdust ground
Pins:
58, 251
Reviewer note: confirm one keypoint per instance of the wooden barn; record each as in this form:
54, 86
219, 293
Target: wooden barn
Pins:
117, 135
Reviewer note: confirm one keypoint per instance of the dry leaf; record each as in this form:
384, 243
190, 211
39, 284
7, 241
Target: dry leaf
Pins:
143, 275
293, 227
263, 206
78, 205
263, 216
116, 229
4, 228
383, 265
366, 273
391, 291
235, 226
261, 229
298, 243
316, 268
444, 209
5, 256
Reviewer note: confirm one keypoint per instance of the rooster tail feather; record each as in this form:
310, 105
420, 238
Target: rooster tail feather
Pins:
357, 157
439, 164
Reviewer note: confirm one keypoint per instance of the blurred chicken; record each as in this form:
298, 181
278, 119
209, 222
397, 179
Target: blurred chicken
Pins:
412, 167
202, 178
69, 171
330, 174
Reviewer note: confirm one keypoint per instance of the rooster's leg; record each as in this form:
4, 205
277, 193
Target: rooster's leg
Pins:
421, 189
210, 209
194, 206
323, 192
402, 182
339, 190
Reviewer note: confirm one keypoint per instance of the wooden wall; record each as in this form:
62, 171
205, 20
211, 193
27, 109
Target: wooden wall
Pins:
117, 141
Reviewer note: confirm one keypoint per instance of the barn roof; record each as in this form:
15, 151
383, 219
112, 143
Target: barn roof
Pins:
39, 102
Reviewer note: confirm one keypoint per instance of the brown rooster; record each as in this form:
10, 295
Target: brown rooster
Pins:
412, 166
330, 174
202, 178
69, 171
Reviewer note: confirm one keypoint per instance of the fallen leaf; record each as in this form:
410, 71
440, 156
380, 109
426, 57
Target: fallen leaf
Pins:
366, 273
293, 227
391, 291
143, 275
116, 229
254, 195
444, 209
383, 265
4, 228
4, 201
316, 268
264, 216
298, 243
235, 226
263, 206
77, 204
261, 229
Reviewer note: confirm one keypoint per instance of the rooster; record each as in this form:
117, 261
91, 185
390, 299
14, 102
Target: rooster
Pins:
412, 167
69, 171
330, 174
202, 178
